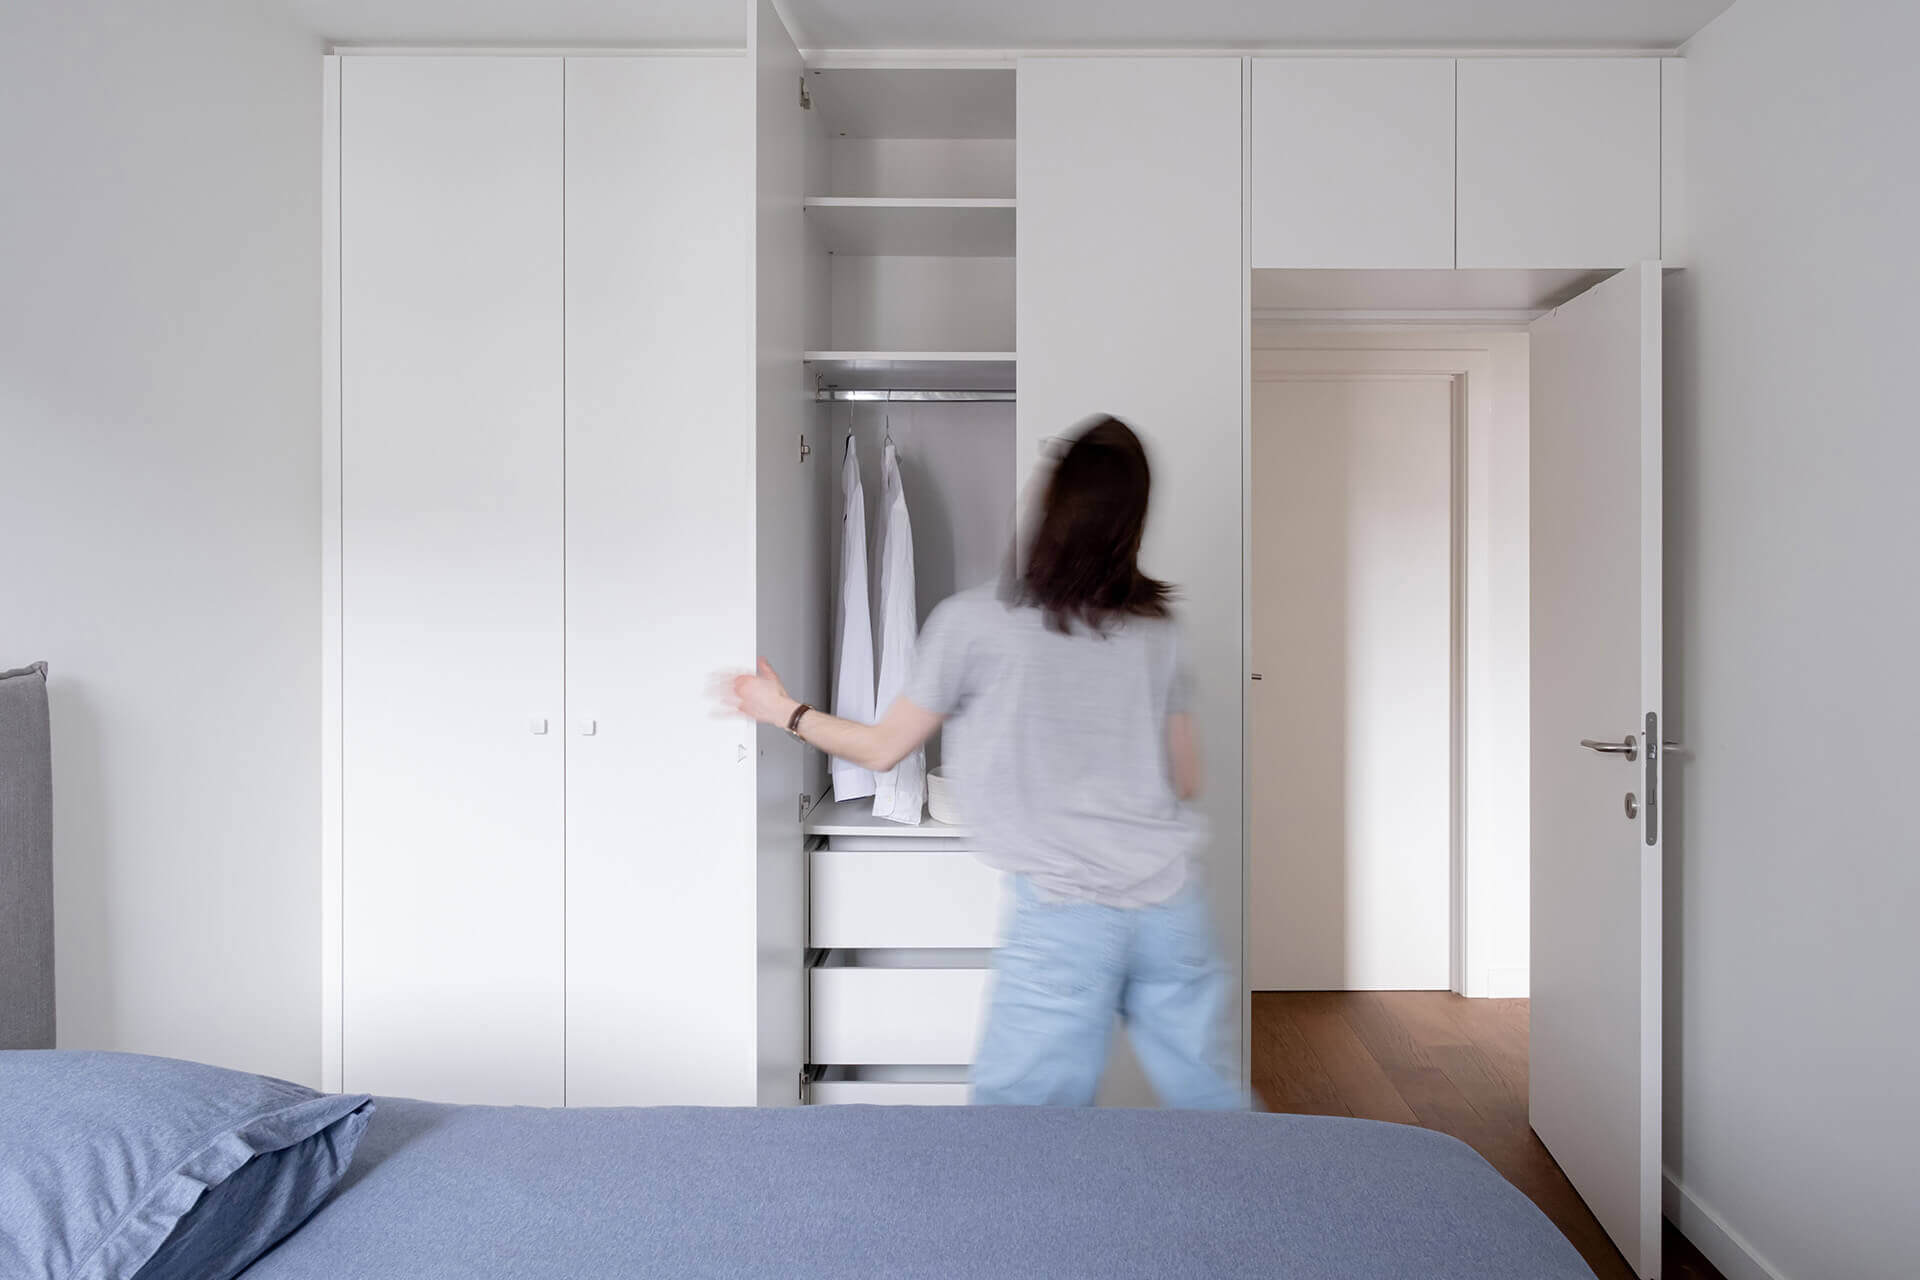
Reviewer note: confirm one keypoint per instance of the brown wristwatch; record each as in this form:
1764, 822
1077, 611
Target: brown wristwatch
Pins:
793, 721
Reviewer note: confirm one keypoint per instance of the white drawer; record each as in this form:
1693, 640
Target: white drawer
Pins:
902, 898
890, 1087
901, 1008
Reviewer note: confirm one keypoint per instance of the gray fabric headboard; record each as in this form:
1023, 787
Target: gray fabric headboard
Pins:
26, 861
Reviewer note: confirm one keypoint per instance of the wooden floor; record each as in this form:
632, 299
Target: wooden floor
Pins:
1437, 1060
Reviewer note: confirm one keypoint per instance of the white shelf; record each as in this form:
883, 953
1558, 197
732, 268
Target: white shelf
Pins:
855, 818
916, 102
897, 226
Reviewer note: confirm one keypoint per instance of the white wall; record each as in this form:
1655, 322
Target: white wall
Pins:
159, 400
1792, 452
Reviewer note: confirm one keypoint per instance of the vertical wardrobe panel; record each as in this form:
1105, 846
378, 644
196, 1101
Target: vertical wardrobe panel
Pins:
659, 459
1131, 280
793, 528
451, 527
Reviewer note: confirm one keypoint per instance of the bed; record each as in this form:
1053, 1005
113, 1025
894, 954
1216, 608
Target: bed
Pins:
441, 1191
116, 1166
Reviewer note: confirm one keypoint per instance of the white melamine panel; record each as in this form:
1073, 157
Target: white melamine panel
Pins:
1351, 723
451, 529
1352, 162
920, 167
927, 303
1673, 162
659, 581
890, 1087
1131, 302
1559, 162
902, 898
915, 102
907, 1009
907, 226
793, 542
1594, 1070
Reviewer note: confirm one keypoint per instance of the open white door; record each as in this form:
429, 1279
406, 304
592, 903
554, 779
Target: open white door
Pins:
1595, 1056
790, 522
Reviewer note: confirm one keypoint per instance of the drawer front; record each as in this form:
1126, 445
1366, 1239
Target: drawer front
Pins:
890, 1087
900, 1016
902, 899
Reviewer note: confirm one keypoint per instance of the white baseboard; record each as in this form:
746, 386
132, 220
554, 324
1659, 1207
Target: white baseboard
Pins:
1507, 984
1724, 1247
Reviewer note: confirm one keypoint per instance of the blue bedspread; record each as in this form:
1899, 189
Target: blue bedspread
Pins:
971, 1193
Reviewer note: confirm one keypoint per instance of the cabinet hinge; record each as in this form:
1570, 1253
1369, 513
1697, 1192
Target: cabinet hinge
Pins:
806, 99
806, 803
806, 1082
805, 448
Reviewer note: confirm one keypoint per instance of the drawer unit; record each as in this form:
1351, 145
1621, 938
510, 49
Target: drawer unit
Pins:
898, 1008
890, 1086
902, 898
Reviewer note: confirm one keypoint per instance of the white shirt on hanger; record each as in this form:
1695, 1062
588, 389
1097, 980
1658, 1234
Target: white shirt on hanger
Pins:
901, 792
852, 627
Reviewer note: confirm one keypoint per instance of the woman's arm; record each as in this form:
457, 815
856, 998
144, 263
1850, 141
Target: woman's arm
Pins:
1183, 753
871, 746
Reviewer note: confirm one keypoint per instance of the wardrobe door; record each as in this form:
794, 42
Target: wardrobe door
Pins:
1132, 302
1559, 161
451, 518
1352, 162
660, 580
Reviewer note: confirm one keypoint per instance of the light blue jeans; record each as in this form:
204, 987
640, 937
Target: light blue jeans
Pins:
1064, 969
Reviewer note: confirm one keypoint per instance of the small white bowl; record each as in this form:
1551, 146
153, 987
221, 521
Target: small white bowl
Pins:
940, 798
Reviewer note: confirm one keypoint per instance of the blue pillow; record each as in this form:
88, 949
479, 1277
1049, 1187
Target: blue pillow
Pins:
115, 1166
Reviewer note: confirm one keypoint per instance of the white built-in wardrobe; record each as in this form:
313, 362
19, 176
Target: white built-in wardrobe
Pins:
599, 328
545, 500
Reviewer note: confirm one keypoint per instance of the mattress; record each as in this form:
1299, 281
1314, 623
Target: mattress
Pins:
442, 1191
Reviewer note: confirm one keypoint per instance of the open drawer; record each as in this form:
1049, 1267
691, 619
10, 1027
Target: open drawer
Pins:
897, 1008
902, 897
890, 1086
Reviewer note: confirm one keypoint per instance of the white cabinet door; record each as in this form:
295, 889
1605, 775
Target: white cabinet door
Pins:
1352, 162
1132, 302
659, 554
1595, 1063
1559, 162
451, 526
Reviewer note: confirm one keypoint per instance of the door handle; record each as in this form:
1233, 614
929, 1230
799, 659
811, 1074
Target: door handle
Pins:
1627, 747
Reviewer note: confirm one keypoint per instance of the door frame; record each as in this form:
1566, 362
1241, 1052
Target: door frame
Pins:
1466, 355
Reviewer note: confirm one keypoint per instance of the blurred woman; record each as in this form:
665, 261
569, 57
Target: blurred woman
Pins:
1071, 748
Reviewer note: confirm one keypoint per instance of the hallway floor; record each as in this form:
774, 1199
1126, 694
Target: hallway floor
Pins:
1433, 1059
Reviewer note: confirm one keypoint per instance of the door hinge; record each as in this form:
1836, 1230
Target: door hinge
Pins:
805, 448
806, 804
806, 99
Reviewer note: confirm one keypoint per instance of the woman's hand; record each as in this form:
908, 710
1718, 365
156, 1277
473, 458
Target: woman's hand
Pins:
761, 697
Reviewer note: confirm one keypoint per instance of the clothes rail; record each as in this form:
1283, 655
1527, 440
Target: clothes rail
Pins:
899, 395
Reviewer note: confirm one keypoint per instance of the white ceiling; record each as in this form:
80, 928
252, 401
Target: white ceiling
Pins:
1023, 24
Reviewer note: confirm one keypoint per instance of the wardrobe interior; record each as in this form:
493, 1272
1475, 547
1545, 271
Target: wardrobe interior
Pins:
910, 223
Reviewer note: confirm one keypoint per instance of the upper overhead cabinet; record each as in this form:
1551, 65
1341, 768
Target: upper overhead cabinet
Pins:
1559, 162
1353, 162
1472, 162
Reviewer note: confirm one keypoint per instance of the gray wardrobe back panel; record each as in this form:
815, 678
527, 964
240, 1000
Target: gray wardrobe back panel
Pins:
26, 861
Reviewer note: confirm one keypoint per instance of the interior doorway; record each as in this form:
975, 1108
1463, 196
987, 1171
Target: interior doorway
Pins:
1352, 711
1397, 701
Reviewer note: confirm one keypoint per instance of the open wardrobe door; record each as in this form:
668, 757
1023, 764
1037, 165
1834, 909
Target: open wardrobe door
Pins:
1597, 752
791, 469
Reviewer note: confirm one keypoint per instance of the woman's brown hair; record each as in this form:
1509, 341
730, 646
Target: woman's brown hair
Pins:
1083, 563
